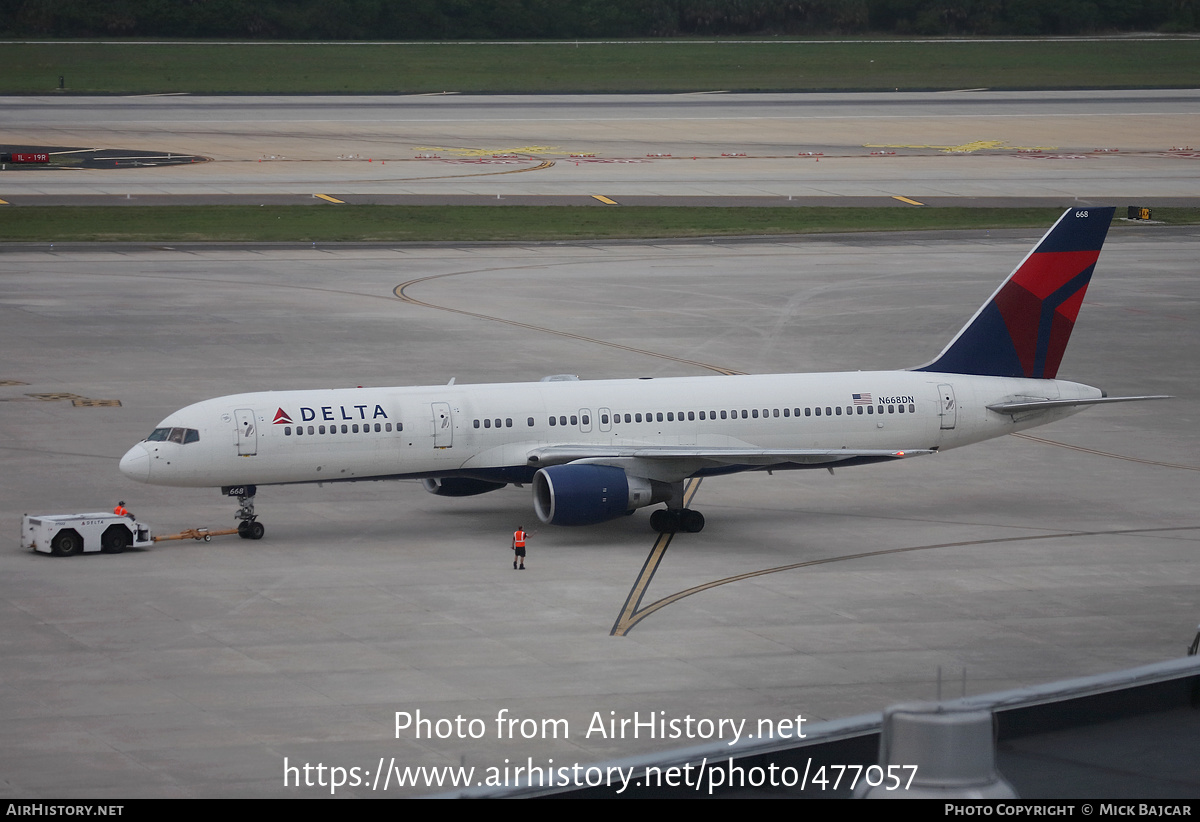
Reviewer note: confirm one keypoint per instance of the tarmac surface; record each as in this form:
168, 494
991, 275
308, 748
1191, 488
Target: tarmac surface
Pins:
1074, 146
194, 669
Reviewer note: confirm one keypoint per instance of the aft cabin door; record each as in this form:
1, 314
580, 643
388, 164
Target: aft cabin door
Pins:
247, 432
443, 425
948, 409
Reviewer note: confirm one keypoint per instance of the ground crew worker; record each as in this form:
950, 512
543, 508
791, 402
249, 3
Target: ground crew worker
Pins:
518, 546
122, 511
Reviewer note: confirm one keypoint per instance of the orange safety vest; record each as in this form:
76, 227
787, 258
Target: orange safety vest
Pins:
121, 511
519, 539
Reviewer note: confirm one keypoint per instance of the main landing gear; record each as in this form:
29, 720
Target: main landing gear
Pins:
673, 520
249, 527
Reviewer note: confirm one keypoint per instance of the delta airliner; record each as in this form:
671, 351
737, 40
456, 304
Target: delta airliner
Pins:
597, 450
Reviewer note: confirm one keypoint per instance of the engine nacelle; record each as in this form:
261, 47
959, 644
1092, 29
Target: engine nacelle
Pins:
587, 494
459, 486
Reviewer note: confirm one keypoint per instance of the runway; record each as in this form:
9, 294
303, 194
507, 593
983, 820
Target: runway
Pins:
197, 669
1077, 146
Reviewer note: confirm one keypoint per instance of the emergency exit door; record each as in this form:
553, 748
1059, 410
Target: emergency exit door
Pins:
443, 425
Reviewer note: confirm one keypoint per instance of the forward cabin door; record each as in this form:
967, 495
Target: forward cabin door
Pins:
247, 432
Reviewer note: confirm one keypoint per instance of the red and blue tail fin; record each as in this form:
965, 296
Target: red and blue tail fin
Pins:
1022, 330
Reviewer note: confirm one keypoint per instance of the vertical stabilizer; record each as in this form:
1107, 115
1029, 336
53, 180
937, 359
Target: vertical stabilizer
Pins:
1023, 328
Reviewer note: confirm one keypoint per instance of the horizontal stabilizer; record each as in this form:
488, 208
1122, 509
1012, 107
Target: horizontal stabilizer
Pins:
1044, 405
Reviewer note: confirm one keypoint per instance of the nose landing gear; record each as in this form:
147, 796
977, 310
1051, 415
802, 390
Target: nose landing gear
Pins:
249, 527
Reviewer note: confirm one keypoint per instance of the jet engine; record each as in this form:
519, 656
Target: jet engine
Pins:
459, 486
587, 494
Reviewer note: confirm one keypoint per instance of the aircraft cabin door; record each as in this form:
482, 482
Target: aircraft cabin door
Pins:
948, 409
443, 425
247, 432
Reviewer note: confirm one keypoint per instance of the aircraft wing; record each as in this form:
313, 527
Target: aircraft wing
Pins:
560, 454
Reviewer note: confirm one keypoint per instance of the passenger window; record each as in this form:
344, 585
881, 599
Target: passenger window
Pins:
574, 420
530, 422
628, 418
775, 412
587, 420
691, 415
310, 430
660, 416
553, 421
508, 422
701, 415
487, 423
891, 409
818, 411
354, 428
745, 414
912, 409
900, 410
287, 430
722, 415
604, 419
870, 409
670, 416
859, 408
345, 430
839, 410
497, 422
787, 412
808, 412
377, 428
637, 417
322, 429
476, 423
562, 420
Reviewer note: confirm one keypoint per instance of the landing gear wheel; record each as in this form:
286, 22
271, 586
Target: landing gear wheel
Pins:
693, 521
244, 529
66, 544
115, 540
664, 521
256, 530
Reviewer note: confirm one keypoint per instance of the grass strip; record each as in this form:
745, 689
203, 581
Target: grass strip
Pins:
650, 66
381, 223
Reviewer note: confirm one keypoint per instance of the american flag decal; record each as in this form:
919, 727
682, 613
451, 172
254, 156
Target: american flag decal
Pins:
862, 399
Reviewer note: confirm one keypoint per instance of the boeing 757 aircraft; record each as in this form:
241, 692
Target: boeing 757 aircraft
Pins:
597, 450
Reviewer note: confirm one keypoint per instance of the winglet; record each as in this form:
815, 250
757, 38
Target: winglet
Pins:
1023, 328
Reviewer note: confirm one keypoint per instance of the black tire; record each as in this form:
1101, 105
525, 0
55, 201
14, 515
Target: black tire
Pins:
664, 521
257, 529
66, 544
115, 540
244, 529
693, 521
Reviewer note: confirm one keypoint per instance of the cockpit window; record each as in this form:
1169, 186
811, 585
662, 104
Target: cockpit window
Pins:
179, 435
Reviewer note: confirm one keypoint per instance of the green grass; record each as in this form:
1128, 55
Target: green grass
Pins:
345, 223
671, 65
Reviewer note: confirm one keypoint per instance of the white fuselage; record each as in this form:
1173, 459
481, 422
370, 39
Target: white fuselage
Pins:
489, 431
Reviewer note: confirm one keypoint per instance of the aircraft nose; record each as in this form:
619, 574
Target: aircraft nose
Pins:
136, 464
